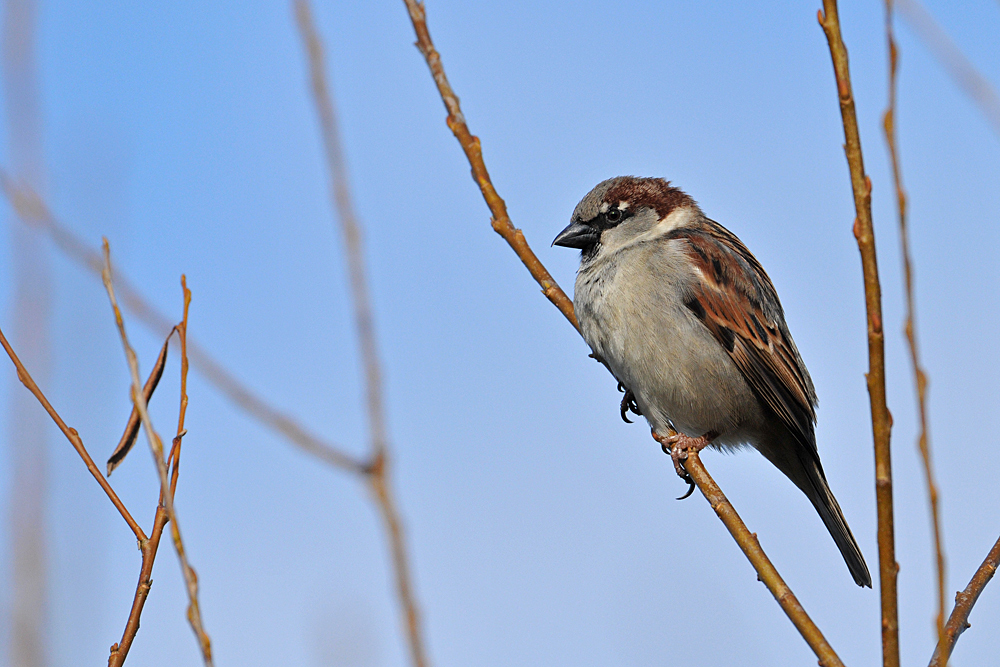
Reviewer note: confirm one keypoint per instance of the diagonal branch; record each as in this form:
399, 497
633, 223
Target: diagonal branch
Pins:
766, 571
474, 152
974, 84
881, 421
958, 622
920, 378
503, 226
156, 447
33, 210
73, 437
377, 476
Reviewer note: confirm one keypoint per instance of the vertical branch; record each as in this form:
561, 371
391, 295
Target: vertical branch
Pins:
150, 547
377, 473
32, 291
156, 447
147, 547
920, 378
881, 420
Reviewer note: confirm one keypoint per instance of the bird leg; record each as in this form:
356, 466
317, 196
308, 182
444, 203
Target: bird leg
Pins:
628, 403
678, 445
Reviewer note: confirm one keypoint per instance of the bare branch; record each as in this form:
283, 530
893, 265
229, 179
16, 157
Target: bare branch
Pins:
881, 421
33, 211
378, 471
156, 447
961, 70
502, 224
766, 571
920, 378
958, 622
474, 152
120, 650
73, 437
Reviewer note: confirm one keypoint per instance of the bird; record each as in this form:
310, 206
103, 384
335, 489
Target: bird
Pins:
689, 323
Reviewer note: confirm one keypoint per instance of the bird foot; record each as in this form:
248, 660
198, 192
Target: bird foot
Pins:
628, 403
678, 446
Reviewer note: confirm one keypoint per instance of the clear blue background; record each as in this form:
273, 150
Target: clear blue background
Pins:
543, 530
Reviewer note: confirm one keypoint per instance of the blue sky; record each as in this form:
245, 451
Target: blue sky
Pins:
543, 530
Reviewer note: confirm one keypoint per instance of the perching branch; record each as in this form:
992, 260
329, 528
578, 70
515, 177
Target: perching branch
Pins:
958, 622
920, 378
503, 226
377, 472
881, 421
156, 447
474, 152
766, 571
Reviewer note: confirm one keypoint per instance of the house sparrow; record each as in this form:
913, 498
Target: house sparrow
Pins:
689, 323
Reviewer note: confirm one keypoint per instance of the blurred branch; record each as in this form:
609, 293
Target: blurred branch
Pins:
502, 224
958, 66
30, 279
920, 378
474, 152
881, 421
73, 437
156, 446
958, 622
33, 211
766, 571
378, 472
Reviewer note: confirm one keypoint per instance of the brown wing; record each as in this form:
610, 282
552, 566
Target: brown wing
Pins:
737, 302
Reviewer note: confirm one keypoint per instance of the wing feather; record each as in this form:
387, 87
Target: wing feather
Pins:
736, 301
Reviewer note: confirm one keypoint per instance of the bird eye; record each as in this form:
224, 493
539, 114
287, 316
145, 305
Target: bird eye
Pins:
613, 215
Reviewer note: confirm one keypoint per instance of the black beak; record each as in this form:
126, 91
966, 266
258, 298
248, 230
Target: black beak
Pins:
578, 235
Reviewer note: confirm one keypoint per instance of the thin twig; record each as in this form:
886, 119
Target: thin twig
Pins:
156, 447
502, 224
920, 378
975, 85
881, 421
73, 437
378, 478
33, 211
474, 152
150, 547
958, 622
766, 571
120, 650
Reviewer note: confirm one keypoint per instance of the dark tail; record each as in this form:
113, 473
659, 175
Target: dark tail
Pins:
804, 469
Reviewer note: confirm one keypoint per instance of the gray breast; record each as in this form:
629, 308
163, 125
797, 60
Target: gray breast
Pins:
631, 310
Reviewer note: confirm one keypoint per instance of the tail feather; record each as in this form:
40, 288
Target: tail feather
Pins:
829, 510
804, 469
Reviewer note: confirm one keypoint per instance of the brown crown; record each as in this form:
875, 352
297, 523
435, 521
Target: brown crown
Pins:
655, 193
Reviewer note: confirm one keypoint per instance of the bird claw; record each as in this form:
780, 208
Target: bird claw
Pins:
678, 446
628, 403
